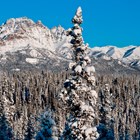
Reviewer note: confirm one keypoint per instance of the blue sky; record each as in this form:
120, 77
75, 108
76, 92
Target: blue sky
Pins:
106, 22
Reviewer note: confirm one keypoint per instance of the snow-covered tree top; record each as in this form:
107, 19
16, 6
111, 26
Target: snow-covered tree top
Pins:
77, 19
79, 11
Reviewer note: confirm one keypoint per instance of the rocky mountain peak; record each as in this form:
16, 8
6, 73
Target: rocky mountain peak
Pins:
21, 32
24, 41
22, 20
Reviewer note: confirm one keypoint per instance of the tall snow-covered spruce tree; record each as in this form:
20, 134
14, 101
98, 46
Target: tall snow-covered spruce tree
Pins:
79, 93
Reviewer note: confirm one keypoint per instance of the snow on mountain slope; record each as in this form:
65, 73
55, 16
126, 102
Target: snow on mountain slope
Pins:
110, 51
18, 33
124, 54
129, 55
24, 42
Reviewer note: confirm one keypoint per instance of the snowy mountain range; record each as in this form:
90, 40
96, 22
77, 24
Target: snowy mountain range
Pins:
25, 44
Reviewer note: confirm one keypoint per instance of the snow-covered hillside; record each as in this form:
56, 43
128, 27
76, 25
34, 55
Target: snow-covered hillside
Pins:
20, 32
24, 43
125, 53
34, 41
129, 55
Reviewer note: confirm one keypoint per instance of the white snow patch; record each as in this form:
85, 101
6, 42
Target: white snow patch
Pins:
17, 69
90, 70
94, 93
35, 53
32, 60
78, 69
106, 57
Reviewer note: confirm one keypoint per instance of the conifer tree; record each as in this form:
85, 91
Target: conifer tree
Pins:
30, 132
106, 123
48, 127
6, 132
79, 93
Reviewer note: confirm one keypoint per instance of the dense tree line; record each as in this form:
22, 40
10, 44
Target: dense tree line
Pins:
125, 103
24, 96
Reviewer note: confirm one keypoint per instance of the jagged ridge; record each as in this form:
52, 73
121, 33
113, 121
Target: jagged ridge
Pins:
24, 42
